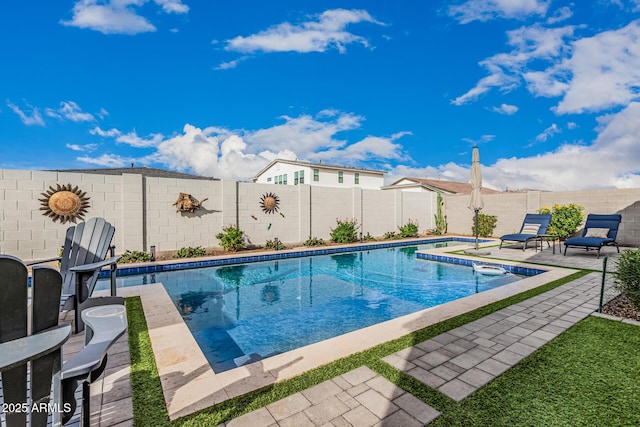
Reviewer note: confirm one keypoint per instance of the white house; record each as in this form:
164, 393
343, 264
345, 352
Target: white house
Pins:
290, 172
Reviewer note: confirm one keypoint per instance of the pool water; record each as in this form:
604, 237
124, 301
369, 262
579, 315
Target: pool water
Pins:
242, 313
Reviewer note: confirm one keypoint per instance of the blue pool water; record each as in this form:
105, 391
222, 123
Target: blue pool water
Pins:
241, 313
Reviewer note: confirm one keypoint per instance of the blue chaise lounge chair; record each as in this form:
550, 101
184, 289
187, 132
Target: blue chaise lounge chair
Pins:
533, 226
599, 230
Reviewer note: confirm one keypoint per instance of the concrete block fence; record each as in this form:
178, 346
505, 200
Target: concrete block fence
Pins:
510, 209
141, 209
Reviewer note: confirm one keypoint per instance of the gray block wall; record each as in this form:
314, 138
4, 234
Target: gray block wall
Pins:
510, 208
141, 210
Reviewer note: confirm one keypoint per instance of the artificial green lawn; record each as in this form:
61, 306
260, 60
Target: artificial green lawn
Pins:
587, 376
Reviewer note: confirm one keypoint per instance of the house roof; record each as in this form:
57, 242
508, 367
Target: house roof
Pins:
450, 187
316, 165
144, 171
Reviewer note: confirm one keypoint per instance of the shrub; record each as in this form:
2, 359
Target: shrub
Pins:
627, 276
190, 252
368, 237
565, 219
410, 229
134, 256
486, 225
440, 218
231, 238
272, 245
314, 241
389, 235
346, 231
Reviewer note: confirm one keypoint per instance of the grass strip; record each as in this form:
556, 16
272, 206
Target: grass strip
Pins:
233, 408
587, 376
149, 408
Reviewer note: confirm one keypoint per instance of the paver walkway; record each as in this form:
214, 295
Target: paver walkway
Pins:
460, 361
358, 398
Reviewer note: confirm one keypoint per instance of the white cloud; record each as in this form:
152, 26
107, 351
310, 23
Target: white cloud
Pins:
107, 160
485, 10
203, 152
118, 16
85, 147
320, 34
370, 148
605, 71
548, 132
231, 64
505, 109
560, 15
69, 110
134, 140
34, 118
111, 133
589, 74
172, 6
508, 70
306, 134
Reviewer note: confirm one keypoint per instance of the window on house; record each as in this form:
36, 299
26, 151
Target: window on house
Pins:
284, 181
295, 178
316, 175
357, 178
340, 177
301, 177
279, 179
269, 179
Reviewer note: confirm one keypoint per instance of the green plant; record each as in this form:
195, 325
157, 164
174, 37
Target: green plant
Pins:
346, 231
270, 244
410, 229
368, 237
314, 241
389, 235
627, 276
565, 219
189, 252
440, 218
134, 256
486, 225
231, 238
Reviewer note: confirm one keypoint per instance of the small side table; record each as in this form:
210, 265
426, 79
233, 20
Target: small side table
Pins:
549, 238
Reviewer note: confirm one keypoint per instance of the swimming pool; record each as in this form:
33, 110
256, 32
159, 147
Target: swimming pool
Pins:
245, 312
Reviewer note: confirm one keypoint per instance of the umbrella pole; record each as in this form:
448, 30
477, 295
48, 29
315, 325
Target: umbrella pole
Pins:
476, 229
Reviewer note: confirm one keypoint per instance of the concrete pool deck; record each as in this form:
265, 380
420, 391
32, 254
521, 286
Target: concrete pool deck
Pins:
189, 384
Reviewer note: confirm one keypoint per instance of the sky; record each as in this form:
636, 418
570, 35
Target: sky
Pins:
548, 90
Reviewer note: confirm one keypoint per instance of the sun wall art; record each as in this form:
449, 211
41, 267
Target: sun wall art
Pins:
64, 203
269, 203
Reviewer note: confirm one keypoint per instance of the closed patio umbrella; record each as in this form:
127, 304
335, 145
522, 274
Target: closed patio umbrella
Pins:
476, 203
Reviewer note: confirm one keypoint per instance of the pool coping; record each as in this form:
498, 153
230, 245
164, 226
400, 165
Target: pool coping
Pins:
189, 383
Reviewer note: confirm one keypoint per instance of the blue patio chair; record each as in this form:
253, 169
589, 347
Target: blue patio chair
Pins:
599, 230
84, 255
533, 226
39, 384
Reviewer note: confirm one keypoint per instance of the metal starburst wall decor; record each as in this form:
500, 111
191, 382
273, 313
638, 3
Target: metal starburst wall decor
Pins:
269, 203
64, 203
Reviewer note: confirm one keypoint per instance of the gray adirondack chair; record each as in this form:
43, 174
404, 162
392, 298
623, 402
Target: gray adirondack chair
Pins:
42, 347
84, 255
